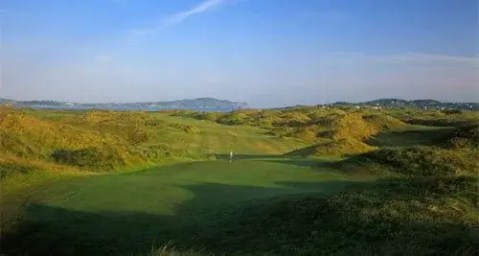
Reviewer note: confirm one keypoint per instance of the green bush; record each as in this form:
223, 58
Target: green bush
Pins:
10, 168
92, 158
425, 161
209, 116
138, 135
464, 137
235, 118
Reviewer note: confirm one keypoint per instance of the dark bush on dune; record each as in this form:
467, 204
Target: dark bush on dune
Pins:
93, 158
464, 137
8, 168
424, 161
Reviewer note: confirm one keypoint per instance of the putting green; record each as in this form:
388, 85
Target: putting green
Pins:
161, 190
127, 213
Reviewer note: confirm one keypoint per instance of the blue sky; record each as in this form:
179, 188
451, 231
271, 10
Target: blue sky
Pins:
265, 52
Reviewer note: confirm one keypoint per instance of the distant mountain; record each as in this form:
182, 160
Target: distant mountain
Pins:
421, 103
199, 104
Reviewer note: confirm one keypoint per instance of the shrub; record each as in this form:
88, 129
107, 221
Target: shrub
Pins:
93, 158
234, 118
308, 133
426, 161
191, 129
10, 168
466, 136
138, 135
162, 151
293, 119
209, 116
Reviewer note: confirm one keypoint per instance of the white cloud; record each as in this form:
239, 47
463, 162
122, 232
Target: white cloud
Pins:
200, 8
178, 17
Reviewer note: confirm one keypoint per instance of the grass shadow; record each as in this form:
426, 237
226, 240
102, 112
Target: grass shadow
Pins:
408, 138
51, 230
246, 156
243, 226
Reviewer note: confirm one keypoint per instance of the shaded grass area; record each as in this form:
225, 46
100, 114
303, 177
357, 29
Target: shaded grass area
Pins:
421, 216
411, 136
179, 203
431, 216
155, 207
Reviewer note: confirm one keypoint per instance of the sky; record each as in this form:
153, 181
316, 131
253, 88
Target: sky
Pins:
267, 53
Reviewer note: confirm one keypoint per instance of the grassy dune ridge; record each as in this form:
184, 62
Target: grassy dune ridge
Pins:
304, 181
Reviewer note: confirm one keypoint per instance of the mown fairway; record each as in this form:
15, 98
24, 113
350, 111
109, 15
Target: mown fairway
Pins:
127, 213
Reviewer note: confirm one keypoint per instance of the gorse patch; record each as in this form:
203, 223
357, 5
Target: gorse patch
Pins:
89, 158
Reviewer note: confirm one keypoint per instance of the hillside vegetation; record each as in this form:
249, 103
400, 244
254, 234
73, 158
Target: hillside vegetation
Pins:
100, 140
303, 181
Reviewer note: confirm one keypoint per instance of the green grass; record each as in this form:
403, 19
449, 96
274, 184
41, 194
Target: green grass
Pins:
420, 216
126, 213
216, 138
176, 186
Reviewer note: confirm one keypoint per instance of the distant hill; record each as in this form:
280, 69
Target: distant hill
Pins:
212, 104
421, 103
199, 104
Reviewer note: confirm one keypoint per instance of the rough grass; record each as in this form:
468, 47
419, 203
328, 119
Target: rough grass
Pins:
169, 250
109, 140
432, 216
464, 137
426, 161
24, 135
340, 147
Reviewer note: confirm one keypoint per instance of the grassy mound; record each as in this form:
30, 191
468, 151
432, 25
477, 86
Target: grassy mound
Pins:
25, 135
425, 161
340, 147
352, 126
464, 137
360, 127
384, 122
342, 135
308, 133
433, 216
